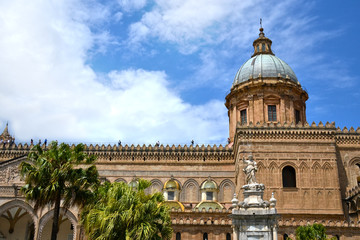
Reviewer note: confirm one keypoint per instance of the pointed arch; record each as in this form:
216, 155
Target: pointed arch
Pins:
327, 168
22, 210
120, 180
190, 191
316, 174
304, 175
156, 186
227, 189
354, 172
273, 174
261, 170
49, 215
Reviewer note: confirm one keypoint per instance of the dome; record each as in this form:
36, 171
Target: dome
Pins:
207, 205
172, 184
209, 184
266, 66
134, 183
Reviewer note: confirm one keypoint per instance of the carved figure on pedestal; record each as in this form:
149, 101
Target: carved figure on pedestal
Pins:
250, 170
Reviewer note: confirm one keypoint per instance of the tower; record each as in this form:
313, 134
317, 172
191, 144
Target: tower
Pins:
265, 90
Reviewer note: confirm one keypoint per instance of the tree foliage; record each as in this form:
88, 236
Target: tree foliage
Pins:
311, 232
52, 175
119, 212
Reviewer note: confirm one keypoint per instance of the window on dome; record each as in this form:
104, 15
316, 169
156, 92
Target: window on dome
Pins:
272, 113
297, 116
171, 195
263, 47
257, 48
289, 177
243, 117
209, 196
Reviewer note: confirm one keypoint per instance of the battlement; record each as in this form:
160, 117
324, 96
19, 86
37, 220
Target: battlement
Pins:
136, 153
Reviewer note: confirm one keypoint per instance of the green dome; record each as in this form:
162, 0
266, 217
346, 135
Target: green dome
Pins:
174, 204
266, 66
209, 184
172, 184
133, 184
207, 205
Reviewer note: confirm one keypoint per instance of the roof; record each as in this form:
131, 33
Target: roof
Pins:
209, 184
209, 204
172, 184
265, 66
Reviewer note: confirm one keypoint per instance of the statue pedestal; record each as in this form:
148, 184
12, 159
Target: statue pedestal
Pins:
254, 218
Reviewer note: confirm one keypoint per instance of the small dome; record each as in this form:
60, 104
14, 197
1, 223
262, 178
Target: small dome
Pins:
207, 205
134, 183
209, 184
266, 66
174, 205
172, 184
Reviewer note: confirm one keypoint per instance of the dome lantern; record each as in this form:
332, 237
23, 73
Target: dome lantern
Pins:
262, 45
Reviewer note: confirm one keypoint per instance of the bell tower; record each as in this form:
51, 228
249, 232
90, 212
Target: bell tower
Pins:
265, 90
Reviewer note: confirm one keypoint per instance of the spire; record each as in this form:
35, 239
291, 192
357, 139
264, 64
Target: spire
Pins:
262, 45
6, 131
5, 136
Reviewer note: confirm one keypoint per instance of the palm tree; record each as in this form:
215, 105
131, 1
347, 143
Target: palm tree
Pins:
119, 212
312, 232
52, 175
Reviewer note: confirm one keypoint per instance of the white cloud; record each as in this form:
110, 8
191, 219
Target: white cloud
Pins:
131, 5
48, 90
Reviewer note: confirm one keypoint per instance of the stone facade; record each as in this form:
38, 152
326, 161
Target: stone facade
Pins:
313, 169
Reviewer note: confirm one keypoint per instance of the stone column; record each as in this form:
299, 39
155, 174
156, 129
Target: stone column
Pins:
292, 110
251, 110
232, 124
282, 112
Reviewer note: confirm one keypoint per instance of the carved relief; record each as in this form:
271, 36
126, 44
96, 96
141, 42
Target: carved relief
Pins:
10, 174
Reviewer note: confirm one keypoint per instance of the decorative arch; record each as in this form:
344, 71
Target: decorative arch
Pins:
273, 174
327, 174
190, 191
304, 175
261, 168
354, 171
288, 163
44, 219
227, 189
316, 174
23, 205
354, 161
120, 180
156, 186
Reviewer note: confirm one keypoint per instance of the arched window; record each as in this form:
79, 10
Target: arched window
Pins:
337, 237
205, 236
289, 177
178, 236
286, 236
228, 236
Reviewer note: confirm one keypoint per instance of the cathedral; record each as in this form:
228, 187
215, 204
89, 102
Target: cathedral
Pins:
312, 169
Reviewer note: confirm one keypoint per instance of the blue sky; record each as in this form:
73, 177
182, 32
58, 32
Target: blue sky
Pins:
144, 71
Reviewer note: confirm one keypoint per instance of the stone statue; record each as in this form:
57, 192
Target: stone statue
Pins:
250, 170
